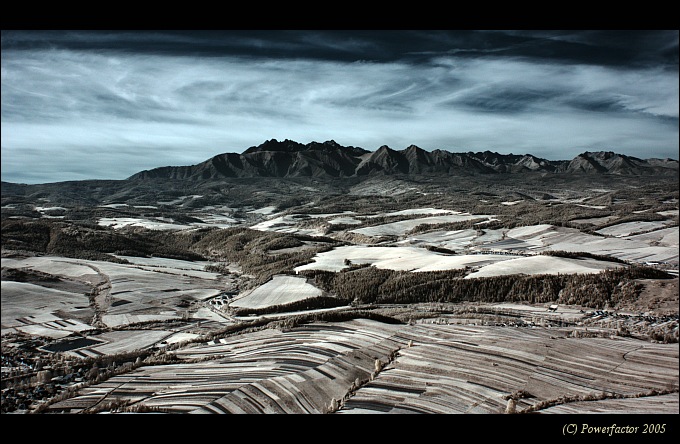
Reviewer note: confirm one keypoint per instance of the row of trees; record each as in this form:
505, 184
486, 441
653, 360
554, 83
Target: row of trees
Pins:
373, 285
583, 254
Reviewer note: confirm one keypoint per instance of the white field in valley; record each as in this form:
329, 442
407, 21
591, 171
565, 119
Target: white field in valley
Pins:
215, 220
278, 291
453, 240
395, 258
402, 227
345, 220
121, 222
543, 265
414, 211
419, 259
263, 211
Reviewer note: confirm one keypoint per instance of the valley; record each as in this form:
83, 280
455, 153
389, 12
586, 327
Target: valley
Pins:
388, 287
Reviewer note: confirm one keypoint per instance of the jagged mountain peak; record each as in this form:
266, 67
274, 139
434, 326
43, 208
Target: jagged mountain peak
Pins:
414, 150
288, 158
274, 145
385, 149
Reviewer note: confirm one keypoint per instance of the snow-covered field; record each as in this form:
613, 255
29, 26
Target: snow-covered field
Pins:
666, 237
173, 266
120, 222
115, 342
43, 209
125, 341
212, 220
656, 246
286, 224
542, 265
453, 240
280, 290
629, 228
179, 200
414, 211
594, 220
72, 268
345, 220
23, 300
217, 220
396, 258
419, 259
29, 308
263, 211
118, 205
402, 227
51, 329
149, 289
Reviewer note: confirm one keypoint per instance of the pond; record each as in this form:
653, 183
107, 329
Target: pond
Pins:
71, 344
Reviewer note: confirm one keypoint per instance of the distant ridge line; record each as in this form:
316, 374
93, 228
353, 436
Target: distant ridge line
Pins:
328, 159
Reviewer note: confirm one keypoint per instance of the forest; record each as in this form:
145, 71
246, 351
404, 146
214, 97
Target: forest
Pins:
370, 285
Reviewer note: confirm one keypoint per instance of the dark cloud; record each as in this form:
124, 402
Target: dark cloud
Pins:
123, 101
595, 103
613, 48
506, 100
626, 49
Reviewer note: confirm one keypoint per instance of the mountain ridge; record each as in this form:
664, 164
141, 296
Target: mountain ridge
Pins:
328, 159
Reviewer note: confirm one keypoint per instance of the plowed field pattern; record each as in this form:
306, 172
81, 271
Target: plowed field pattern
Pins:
435, 369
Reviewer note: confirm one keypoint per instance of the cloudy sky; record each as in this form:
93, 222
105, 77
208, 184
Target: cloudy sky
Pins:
107, 104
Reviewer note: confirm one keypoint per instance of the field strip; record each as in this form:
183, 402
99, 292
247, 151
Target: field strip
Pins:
402, 227
662, 404
278, 291
571, 374
446, 369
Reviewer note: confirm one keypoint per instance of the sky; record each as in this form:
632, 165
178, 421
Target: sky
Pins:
98, 104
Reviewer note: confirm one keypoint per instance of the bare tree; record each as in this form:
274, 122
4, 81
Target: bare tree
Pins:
511, 407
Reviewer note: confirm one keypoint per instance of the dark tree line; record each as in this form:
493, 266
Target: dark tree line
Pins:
372, 285
94, 243
252, 249
583, 254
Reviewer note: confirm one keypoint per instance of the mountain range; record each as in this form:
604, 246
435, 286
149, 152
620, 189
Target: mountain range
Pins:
288, 158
